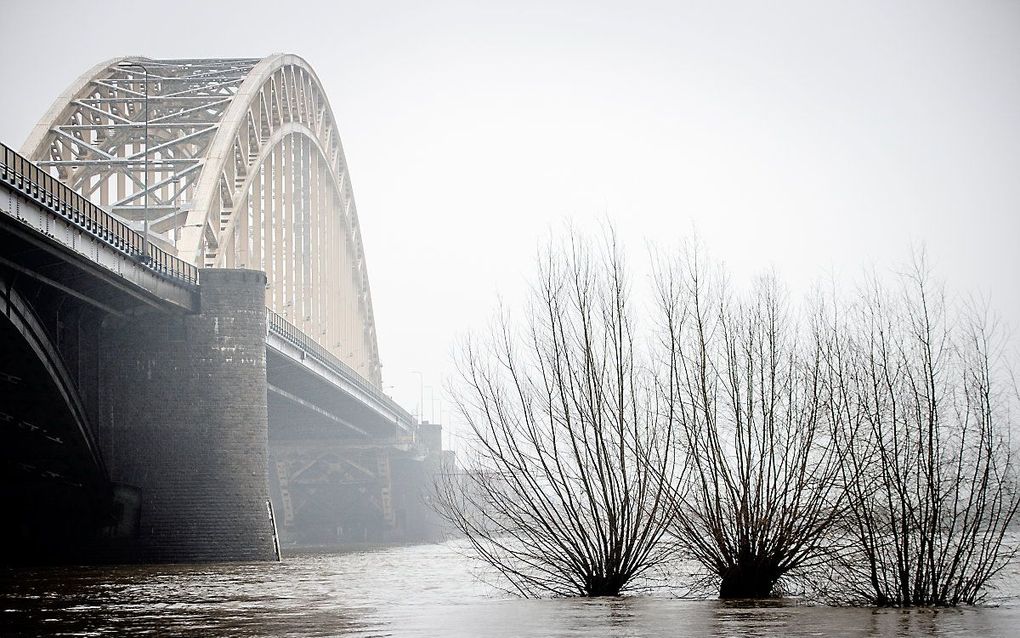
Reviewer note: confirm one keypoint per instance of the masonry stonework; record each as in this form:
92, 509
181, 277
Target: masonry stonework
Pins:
185, 426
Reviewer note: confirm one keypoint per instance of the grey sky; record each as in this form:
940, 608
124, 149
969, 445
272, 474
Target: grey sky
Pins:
806, 136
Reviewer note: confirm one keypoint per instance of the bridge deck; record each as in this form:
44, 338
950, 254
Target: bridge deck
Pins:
46, 223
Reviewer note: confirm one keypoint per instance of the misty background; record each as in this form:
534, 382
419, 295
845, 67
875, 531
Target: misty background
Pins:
816, 138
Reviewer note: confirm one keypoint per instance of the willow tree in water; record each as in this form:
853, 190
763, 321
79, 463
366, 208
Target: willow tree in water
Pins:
927, 408
763, 485
565, 493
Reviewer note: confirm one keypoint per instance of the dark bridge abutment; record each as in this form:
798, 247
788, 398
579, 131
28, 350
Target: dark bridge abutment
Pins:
184, 425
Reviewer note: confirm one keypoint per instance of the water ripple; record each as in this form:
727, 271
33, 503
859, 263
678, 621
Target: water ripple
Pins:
425, 591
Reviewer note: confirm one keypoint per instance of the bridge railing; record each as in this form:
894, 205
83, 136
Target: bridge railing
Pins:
276, 324
28, 178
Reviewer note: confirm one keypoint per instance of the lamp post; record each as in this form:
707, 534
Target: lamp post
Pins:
432, 404
145, 157
421, 395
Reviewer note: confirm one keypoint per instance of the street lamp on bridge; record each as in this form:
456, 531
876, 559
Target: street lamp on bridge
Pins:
145, 157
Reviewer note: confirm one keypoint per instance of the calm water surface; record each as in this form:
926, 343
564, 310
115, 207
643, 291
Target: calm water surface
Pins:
413, 591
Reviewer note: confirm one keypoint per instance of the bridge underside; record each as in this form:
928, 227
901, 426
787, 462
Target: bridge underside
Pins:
55, 496
307, 405
331, 492
341, 472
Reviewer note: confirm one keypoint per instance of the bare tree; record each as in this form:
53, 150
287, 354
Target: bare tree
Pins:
763, 484
565, 494
924, 405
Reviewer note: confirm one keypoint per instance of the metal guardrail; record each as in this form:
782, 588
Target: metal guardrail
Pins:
276, 324
27, 178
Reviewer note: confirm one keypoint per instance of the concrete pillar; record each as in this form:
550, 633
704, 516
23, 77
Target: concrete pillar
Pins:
187, 425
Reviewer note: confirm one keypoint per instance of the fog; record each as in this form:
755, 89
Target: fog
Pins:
816, 138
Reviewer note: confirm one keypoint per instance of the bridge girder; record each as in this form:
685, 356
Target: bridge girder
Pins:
246, 169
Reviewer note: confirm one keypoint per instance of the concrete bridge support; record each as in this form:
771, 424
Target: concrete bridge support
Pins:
183, 425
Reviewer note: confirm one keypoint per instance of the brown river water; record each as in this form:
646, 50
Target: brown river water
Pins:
427, 590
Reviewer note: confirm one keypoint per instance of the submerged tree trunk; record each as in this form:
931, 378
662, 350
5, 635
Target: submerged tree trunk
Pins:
752, 580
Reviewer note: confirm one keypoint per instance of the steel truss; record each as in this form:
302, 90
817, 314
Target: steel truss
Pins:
245, 170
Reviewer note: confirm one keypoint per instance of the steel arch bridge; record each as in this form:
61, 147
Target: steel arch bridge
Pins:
245, 170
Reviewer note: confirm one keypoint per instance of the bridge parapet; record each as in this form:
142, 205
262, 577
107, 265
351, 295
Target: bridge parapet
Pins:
34, 182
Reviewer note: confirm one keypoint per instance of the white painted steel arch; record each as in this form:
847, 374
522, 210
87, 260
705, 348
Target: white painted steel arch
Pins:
246, 169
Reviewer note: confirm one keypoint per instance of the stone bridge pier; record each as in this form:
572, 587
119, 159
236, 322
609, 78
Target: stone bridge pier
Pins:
130, 434
184, 423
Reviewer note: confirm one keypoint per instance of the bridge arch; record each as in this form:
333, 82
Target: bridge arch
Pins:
19, 318
53, 481
246, 169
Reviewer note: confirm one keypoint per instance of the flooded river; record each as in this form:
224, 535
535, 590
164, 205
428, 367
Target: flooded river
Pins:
426, 591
